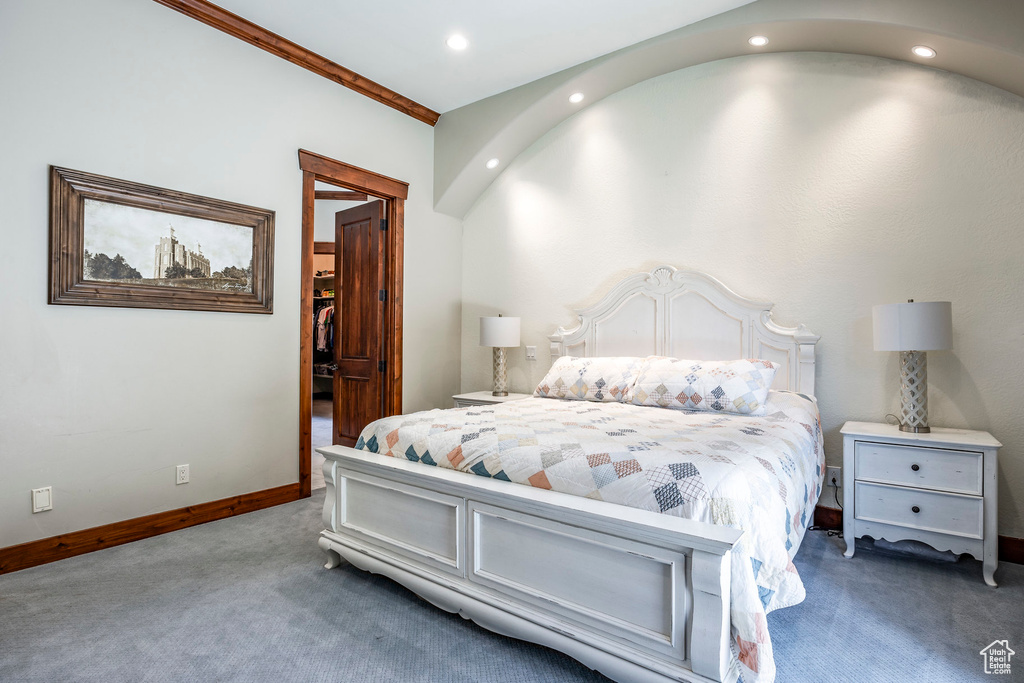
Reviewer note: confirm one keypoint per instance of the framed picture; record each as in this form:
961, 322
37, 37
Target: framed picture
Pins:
118, 243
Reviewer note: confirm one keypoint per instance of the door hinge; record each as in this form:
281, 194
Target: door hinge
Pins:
382, 295
381, 364
384, 224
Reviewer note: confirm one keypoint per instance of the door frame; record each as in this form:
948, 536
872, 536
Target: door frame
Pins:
318, 167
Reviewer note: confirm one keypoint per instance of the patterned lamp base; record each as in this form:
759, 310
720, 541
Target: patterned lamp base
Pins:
914, 392
500, 380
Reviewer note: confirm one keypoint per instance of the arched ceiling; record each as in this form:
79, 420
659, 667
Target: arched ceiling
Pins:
982, 39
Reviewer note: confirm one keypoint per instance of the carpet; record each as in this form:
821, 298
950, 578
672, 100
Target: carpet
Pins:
247, 599
321, 434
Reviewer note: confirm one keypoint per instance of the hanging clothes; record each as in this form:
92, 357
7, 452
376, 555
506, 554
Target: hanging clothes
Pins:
324, 330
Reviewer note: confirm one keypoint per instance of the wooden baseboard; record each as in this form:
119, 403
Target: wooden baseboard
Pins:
55, 548
1010, 549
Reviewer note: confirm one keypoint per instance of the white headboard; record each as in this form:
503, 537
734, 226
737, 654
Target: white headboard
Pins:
686, 314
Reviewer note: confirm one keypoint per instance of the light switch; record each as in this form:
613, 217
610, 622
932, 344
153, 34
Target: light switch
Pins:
42, 499
531, 353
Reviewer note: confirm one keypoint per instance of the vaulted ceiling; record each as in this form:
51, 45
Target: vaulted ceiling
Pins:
982, 39
401, 43
525, 58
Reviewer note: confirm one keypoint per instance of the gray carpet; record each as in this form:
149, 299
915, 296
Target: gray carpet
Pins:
247, 599
322, 433
881, 617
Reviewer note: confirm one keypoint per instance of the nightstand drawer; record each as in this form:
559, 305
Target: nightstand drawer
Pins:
940, 512
928, 468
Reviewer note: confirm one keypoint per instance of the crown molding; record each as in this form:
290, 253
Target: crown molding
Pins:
243, 29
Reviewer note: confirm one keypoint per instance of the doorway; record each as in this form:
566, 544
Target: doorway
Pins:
367, 300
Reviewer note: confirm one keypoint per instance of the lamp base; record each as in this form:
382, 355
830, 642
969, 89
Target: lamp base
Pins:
915, 430
500, 380
914, 392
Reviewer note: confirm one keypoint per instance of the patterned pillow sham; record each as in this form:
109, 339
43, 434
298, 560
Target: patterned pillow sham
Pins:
732, 386
605, 380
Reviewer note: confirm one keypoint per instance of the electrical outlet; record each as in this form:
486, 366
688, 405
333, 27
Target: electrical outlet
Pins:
531, 353
182, 474
834, 473
42, 499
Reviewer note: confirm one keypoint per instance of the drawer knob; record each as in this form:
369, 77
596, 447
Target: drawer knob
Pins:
916, 509
915, 467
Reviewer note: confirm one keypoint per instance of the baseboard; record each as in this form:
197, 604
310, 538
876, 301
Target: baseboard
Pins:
55, 548
1010, 549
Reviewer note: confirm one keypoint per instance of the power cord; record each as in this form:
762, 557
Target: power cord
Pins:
831, 532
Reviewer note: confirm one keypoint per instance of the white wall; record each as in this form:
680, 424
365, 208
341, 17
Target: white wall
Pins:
826, 183
323, 217
101, 404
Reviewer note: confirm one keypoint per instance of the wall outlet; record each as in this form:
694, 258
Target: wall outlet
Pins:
181, 474
42, 499
836, 473
531, 353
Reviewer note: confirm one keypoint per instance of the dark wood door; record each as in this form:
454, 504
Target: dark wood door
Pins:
359, 320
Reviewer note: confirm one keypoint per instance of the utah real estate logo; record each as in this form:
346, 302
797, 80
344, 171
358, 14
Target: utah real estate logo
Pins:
997, 657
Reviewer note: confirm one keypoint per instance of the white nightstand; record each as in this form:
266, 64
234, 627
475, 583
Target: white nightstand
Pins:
939, 488
484, 398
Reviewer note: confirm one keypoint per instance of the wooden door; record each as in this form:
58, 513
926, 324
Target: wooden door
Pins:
359, 319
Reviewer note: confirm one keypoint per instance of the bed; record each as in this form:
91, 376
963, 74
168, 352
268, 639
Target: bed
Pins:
636, 590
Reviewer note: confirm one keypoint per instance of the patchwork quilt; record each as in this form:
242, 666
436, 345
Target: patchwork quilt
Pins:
760, 474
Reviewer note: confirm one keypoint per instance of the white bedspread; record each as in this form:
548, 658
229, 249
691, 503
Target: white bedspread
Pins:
759, 474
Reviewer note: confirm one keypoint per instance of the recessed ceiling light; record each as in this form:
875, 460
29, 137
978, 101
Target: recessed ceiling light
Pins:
493, 163
923, 51
758, 41
576, 97
457, 42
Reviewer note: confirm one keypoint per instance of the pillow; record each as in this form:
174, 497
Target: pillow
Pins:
605, 380
729, 386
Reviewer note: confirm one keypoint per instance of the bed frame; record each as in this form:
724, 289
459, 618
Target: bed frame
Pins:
636, 595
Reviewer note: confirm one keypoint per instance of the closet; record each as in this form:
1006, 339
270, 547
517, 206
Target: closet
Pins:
325, 327
324, 364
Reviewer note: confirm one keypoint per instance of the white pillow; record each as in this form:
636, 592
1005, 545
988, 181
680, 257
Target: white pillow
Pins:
605, 380
731, 386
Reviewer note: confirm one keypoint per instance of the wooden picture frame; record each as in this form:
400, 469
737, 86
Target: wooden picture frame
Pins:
190, 280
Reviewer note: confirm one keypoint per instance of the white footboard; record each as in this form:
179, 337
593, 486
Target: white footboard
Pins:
636, 595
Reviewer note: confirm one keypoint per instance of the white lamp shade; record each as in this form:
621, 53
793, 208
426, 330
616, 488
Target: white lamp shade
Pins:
918, 326
499, 331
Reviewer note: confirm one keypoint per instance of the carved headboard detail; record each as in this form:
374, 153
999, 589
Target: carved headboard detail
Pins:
686, 314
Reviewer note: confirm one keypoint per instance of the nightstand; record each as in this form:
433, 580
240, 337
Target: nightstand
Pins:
939, 488
484, 398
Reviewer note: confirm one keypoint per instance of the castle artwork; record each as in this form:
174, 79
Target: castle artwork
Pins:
142, 246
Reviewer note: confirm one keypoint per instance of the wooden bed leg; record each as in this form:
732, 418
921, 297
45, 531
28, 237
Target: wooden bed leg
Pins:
710, 638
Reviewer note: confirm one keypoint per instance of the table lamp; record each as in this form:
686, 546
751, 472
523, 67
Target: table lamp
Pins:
913, 328
500, 333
